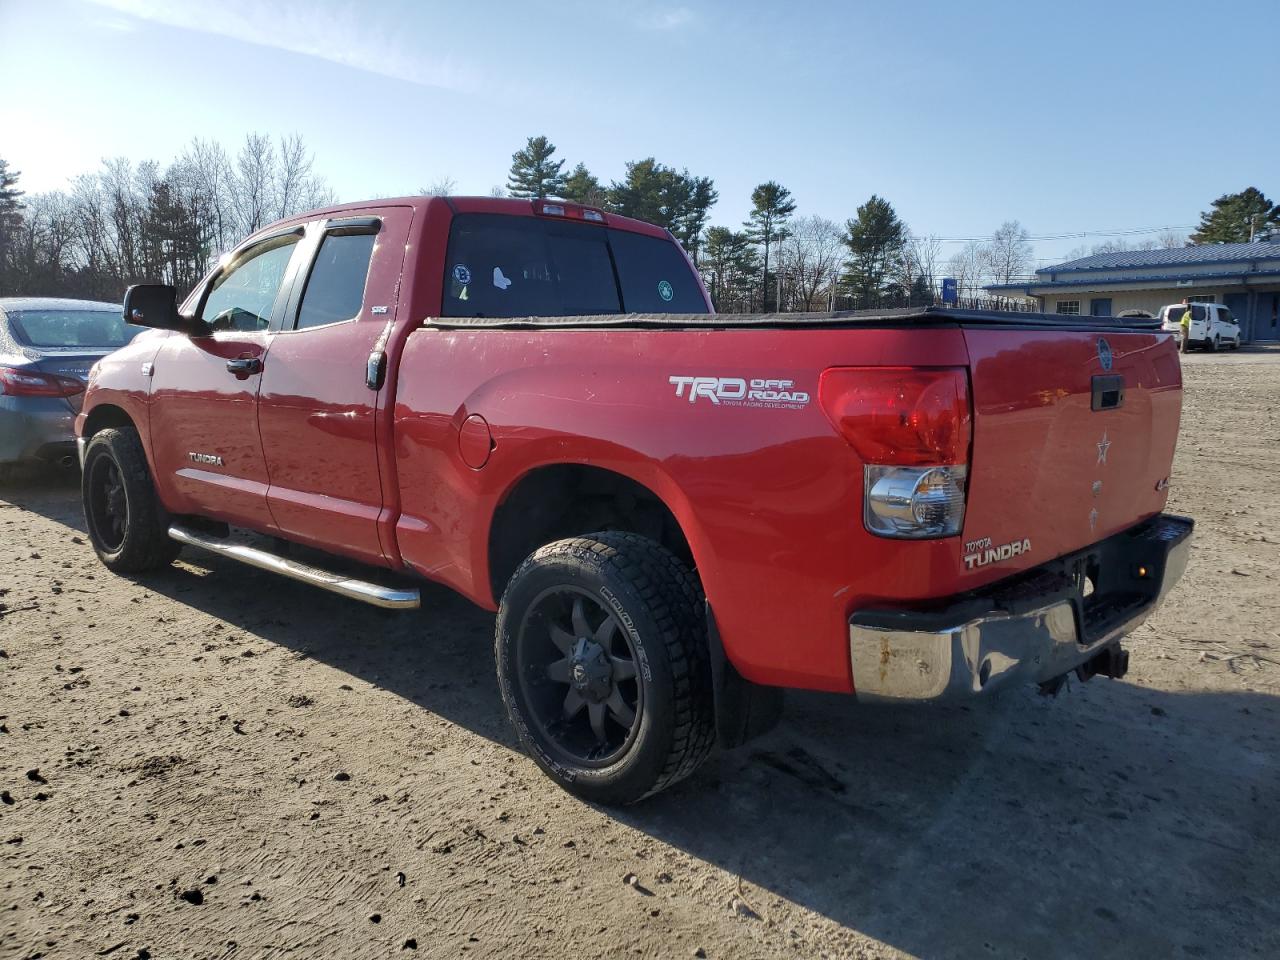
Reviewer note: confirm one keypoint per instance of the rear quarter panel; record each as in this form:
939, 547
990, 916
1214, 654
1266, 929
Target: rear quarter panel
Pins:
769, 498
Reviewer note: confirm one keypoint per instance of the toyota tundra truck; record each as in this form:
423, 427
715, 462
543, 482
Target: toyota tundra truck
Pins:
675, 514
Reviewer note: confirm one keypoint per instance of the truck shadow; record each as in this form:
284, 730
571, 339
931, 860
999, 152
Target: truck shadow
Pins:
1112, 821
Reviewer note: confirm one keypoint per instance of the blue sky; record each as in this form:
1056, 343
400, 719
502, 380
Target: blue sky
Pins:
1070, 117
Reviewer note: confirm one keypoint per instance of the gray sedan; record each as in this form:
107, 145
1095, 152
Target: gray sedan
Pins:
46, 349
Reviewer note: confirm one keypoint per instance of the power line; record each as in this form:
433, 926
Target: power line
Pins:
1132, 232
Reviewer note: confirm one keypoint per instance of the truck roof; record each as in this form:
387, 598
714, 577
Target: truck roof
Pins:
509, 206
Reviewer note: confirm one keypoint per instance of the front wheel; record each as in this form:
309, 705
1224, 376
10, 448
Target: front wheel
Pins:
127, 525
601, 650
1217, 344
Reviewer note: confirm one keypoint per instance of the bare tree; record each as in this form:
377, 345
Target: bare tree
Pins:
1008, 254
440, 187
253, 186
967, 267
920, 259
809, 259
1170, 239
206, 170
292, 176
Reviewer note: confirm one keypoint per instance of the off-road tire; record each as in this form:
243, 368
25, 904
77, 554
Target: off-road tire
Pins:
145, 544
661, 605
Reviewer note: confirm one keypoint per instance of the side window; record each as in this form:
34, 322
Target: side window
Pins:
335, 288
242, 296
1197, 312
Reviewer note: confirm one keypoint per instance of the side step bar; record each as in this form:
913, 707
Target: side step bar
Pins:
372, 593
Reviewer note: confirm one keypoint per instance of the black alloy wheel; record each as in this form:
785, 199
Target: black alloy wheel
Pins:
578, 673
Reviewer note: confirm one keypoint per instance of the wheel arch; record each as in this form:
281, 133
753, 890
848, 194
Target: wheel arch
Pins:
556, 500
106, 415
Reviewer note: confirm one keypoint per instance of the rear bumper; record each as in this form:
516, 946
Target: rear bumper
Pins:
1028, 629
35, 428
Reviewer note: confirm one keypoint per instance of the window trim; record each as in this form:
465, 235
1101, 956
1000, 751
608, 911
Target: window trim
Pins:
316, 231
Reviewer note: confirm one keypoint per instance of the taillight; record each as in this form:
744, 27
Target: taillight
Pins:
16, 382
911, 427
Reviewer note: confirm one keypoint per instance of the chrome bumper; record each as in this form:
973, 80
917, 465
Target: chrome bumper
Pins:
896, 660
81, 446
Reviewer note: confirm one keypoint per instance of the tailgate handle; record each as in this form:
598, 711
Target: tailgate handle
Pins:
1108, 392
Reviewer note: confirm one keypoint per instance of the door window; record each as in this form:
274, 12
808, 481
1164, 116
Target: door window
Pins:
335, 288
242, 296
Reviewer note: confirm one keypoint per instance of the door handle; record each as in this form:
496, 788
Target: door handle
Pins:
244, 366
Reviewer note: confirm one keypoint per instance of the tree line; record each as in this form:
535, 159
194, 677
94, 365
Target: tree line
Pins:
130, 222
776, 260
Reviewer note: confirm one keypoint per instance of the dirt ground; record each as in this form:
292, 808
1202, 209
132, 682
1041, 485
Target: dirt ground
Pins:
214, 762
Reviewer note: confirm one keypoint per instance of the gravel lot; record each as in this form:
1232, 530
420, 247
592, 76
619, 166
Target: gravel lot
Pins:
214, 762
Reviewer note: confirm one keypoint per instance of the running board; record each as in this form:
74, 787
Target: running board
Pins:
379, 596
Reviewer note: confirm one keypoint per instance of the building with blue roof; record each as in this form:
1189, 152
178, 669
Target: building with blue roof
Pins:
1245, 277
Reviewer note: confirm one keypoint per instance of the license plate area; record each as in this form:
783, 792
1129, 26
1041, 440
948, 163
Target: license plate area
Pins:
1113, 581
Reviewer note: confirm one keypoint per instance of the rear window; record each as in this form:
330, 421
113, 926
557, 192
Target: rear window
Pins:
503, 266
71, 328
655, 276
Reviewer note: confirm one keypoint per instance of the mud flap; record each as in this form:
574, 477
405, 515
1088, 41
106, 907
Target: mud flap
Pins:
744, 710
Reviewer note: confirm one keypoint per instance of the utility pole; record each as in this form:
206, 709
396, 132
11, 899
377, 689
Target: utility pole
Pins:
1252, 218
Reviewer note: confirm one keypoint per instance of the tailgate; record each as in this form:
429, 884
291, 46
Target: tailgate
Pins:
1073, 439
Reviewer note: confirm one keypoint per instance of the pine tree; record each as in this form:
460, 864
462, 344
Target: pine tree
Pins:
10, 215
771, 207
533, 172
641, 193
729, 266
1239, 218
670, 198
581, 186
875, 239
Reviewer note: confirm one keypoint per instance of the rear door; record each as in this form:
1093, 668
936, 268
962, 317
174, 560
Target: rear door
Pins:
317, 407
1073, 435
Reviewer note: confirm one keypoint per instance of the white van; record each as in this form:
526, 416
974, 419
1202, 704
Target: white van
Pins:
1212, 325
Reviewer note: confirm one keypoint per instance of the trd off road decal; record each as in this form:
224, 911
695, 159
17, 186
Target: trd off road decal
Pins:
737, 392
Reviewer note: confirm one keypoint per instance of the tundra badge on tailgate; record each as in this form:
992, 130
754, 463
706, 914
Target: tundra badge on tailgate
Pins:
979, 553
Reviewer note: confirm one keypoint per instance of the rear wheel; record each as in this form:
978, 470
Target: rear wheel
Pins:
602, 661
127, 525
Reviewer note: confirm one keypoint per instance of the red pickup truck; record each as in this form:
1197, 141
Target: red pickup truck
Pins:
674, 513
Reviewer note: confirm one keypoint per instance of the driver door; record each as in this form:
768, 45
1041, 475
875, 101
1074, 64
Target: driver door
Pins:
204, 390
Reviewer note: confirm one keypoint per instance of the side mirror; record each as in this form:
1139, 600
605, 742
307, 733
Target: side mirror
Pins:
156, 305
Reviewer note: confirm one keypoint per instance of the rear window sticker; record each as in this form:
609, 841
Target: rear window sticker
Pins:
462, 274
665, 291
499, 280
